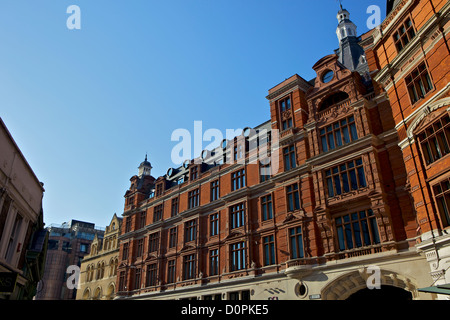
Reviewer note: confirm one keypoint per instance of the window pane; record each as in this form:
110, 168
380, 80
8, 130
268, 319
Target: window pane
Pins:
361, 177
357, 234
348, 236
337, 185
353, 132
345, 182
331, 141
353, 179
365, 232
338, 138
330, 187
341, 239
374, 229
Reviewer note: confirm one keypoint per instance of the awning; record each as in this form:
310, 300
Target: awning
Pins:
439, 289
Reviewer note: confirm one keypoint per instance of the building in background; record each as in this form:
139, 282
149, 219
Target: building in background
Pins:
409, 58
67, 245
99, 268
22, 235
357, 184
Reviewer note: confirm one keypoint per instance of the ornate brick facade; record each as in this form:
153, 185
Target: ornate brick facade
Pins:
350, 189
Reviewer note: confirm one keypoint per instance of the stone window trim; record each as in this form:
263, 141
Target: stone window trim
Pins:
433, 138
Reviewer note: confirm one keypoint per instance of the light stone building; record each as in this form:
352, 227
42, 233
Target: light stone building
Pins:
98, 269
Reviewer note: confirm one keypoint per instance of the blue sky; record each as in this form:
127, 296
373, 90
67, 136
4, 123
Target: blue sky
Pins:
86, 105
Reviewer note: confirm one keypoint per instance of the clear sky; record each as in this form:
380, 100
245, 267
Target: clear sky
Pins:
85, 106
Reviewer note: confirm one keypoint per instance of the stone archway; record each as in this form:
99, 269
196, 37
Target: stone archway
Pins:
110, 291
386, 293
97, 294
86, 294
350, 283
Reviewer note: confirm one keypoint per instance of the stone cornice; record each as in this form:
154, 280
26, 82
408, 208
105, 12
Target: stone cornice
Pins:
296, 84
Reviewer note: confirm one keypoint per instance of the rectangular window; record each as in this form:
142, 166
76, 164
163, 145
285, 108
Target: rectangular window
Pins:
140, 248
266, 207
435, 140
171, 271
442, 196
237, 216
143, 219
128, 224
125, 251
338, 134
159, 190
285, 104
345, 177
357, 230
190, 231
293, 197
404, 35
238, 150
289, 158
189, 267
194, 198
215, 190
12, 244
418, 83
237, 259
214, 224
269, 250
174, 211
194, 173
214, 262
137, 279
152, 276
173, 237
153, 242
122, 281
296, 243
238, 180
265, 171
285, 117
158, 212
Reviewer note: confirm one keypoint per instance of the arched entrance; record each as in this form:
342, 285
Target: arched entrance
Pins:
386, 293
353, 285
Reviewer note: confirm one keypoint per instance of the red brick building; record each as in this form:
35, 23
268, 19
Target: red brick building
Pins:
410, 60
337, 202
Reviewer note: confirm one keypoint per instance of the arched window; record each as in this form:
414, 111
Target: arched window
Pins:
88, 272
333, 99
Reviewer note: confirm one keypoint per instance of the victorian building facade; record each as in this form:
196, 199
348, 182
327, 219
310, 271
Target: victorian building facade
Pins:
23, 240
409, 58
306, 206
98, 271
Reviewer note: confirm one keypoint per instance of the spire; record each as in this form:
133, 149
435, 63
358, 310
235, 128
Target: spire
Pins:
351, 54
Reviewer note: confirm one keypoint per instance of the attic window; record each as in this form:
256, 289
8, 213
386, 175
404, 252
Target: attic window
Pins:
333, 99
327, 76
